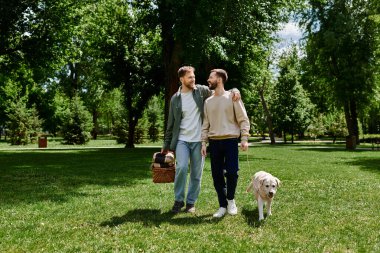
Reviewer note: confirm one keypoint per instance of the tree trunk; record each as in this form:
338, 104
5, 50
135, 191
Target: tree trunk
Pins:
268, 116
73, 89
292, 136
95, 130
355, 120
284, 136
132, 122
171, 76
352, 124
171, 55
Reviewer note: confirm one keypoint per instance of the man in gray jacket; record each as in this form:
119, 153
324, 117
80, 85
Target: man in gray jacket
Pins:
183, 135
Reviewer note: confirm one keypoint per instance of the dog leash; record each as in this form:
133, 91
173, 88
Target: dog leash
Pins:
249, 165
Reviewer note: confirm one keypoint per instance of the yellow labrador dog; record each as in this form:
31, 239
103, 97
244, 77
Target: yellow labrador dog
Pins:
264, 186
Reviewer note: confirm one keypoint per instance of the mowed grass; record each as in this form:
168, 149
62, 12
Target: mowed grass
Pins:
103, 200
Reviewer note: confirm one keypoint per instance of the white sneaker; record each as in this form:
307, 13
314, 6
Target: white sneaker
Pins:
231, 208
220, 213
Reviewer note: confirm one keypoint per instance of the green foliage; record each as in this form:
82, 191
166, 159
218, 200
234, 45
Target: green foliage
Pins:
372, 120
155, 117
293, 107
35, 34
332, 124
21, 120
317, 127
258, 90
111, 109
15, 85
342, 52
336, 124
23, 123
58, 49
120, 130
140, 133
76, 122
126, 35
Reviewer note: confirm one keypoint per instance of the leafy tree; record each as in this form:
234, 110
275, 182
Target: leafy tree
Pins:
36, 34
293, 108
259, 76
130, 44
112, 110
19, 113
336, 125
332, 124
23, 123
35, 37
155, 117
206, 34
316, 127
371, 121
120, 130
76, 122
341, 48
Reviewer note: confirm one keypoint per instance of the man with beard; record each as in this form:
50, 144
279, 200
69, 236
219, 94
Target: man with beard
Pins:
224, 121
183, 135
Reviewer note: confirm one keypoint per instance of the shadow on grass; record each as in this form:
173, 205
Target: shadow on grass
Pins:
368, 164
331, 148
56, 175
252, 217
154, 218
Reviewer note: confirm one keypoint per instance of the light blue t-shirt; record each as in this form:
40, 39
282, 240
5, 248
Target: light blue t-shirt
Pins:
191, 123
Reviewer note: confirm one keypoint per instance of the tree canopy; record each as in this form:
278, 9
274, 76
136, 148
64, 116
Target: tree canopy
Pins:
342, 47
127, 53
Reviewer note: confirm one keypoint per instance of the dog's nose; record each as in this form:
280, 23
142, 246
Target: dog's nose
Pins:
270, 194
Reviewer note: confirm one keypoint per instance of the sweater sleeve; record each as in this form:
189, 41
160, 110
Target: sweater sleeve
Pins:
169, 129
242, 118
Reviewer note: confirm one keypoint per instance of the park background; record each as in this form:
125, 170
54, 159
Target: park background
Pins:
79, 69
91, 81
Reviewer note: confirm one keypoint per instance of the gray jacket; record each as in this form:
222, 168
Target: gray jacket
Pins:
200, 93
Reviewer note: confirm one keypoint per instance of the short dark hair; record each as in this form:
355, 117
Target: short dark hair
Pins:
221, 73
183, 70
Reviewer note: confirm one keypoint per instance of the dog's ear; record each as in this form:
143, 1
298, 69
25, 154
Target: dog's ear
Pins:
278, 182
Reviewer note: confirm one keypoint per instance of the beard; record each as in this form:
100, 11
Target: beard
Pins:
189, 85
212, 85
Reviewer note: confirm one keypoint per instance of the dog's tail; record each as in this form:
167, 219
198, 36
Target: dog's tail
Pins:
250, 186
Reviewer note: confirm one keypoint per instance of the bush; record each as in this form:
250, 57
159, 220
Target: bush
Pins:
154, 115
139, 135
76, 123
120, 131
153, 132
23, 123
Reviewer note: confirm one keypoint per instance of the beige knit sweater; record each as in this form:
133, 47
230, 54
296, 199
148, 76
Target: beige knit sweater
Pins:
224, 118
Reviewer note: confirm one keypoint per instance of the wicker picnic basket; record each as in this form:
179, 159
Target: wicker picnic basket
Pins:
163, 168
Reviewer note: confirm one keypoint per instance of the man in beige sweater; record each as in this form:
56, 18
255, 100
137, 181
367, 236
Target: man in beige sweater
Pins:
224, 121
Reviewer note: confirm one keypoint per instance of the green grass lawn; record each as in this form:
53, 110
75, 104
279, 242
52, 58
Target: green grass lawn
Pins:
103, 200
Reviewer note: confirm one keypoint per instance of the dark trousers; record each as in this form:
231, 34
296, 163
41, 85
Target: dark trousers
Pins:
224, 156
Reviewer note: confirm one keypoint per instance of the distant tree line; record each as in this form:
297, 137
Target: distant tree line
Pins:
78, 69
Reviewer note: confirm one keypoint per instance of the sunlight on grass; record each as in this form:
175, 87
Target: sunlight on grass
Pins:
103, 200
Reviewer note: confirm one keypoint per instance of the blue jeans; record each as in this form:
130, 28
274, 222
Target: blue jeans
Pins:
186, 151
224, 156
